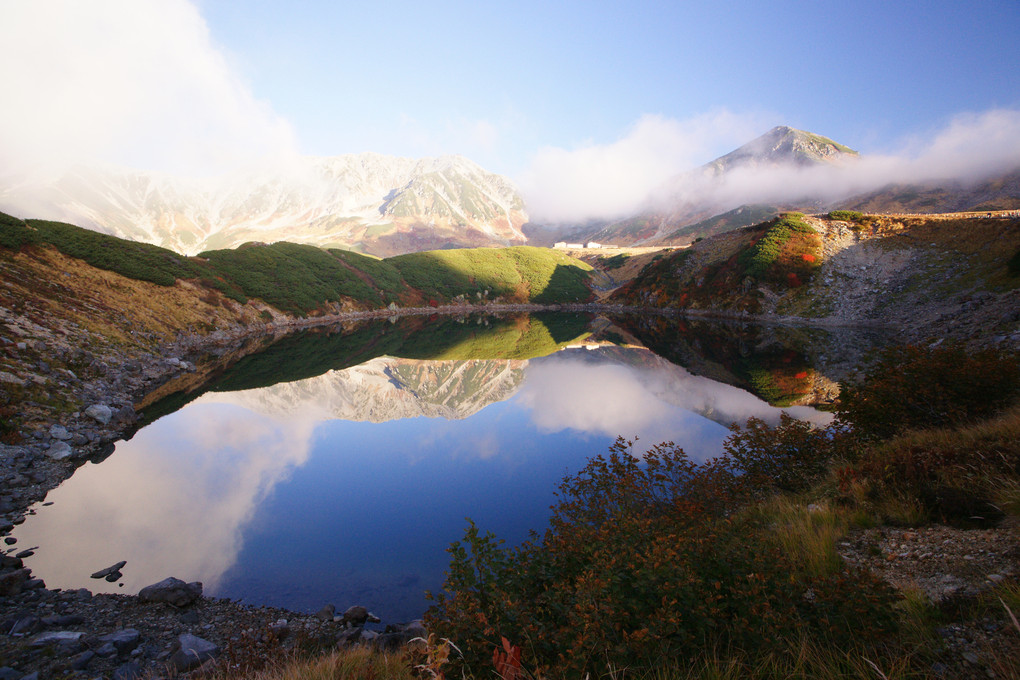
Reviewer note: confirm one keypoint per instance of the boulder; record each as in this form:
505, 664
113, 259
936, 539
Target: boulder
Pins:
81, 662
173, 591
123, 640
60, 450
349, 636
192, 652
358, 616
62, 620
11, 582
107, 651
59, 432
326, 613
57, 637
101, 413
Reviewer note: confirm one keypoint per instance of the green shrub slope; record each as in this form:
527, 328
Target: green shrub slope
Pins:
302, 279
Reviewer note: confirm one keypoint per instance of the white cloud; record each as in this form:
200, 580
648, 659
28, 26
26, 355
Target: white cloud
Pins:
619, 179
174, 500
612, 180
657, 402
127, 82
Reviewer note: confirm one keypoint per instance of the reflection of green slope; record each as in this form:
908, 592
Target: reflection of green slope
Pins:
312, 353
769, 362
520, 337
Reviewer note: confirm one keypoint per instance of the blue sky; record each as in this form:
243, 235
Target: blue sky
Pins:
538, 91
417, 77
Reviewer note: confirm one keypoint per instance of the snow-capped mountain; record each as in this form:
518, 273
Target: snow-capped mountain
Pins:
379, 204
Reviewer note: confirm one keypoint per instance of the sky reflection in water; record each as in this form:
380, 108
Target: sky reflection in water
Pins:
297, 501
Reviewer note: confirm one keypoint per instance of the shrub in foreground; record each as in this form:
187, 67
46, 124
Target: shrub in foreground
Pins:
643, 564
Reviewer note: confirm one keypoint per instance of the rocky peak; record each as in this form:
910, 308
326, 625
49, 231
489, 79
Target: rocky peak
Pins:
783, 145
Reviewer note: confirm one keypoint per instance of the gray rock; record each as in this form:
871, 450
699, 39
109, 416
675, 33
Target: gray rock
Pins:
26, 625
59, 432
107, 651
192, 652
11, 582
172, 591
103, 573
280, 628
129, 671
349, 636
125, 415
190, 618
101, 413
355, 616
10, 378
64, 620
60, 450
56, 637
8, 673
81, 662
326, 613
124, 640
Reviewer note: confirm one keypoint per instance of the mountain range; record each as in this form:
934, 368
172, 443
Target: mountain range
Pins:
369, 202
384, 206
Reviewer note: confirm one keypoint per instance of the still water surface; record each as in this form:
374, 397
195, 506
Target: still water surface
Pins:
348, 485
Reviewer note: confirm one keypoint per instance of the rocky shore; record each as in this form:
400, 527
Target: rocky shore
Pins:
75, 403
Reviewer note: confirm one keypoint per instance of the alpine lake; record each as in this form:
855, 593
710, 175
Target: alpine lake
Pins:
336, 465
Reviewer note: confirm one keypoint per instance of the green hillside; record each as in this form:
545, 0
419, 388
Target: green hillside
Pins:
301, 279
521, 274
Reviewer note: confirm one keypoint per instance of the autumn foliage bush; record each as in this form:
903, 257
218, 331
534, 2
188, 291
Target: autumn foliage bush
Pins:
652, 563
644, 564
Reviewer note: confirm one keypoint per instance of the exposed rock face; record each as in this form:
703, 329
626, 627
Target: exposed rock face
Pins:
383, 204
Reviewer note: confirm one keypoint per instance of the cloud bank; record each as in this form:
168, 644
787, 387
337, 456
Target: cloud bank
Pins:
137, 83
652, 167
610, 180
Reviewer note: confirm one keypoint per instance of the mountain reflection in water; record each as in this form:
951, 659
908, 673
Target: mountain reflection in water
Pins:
348, 486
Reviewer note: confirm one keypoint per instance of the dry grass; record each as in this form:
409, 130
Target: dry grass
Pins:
112, 307
803, 661
808, 536
357, 663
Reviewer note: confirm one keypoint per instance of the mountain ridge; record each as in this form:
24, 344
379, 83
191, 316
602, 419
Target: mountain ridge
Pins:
382, 205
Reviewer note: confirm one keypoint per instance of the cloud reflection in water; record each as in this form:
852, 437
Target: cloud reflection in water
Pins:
184, 496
